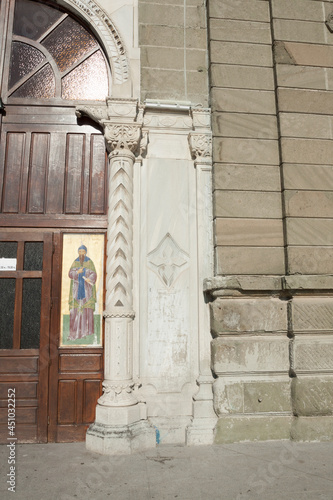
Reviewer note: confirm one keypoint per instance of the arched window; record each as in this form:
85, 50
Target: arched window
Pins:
51, 55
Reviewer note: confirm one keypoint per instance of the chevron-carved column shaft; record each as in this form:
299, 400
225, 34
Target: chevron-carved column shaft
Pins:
122, 141
119, 267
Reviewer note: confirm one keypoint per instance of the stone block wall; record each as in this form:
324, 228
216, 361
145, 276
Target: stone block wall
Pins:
247, 187
271, 81
174, 57
267, 74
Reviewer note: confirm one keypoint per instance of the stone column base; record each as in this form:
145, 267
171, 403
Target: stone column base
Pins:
120, 430
201, 431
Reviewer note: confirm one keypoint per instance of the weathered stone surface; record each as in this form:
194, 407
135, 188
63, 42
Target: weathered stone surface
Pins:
312, 314
310, 231
248, 315
245, 283
307, 151
246, 396
310, 260
242, 31
305, 101
298, 282
309, 54
233, 429
249, 260
171, 36
312, 396
244, 101
309, 203
171, 15
313, 353
306, 126
245, 125
250, 354
253, 151
247, 177
281, 54
309, 177
267, 396
249, 232
299, 31
172, 58
310, 10
302, 77
242, 77
252, 204
241, 53
312, 429
256, 10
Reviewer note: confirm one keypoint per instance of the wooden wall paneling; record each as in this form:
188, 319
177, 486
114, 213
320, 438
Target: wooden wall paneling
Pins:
56, 173
39, 154
12, 171
74, 173
98, 181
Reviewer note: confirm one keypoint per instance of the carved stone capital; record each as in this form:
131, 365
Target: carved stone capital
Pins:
122, 136
117, 394
200, 145
201, 118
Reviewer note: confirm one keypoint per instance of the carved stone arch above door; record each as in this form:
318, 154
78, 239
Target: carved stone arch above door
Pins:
106, 30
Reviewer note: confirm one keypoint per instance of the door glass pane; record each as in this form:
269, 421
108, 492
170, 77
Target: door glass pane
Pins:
23, 60
68, 43
92, 78
32, 19
7, 303
8, 249
42, 85
31, 302
33, 256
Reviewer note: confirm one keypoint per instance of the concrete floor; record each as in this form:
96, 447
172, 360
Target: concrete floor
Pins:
277, 470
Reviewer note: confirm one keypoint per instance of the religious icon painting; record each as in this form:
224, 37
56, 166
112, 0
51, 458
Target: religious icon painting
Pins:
82, 290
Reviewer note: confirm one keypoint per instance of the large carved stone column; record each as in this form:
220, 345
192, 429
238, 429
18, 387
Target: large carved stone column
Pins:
121, 424
201, 430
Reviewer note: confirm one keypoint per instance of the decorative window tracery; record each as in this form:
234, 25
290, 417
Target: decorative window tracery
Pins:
54, 56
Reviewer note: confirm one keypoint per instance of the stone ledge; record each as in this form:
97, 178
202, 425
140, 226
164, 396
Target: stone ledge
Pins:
218, 284
308, 282
223, 284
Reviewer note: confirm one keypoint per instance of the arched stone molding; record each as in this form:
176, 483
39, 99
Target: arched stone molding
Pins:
108, 34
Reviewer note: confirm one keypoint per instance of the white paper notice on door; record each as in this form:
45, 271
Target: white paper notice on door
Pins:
7, 264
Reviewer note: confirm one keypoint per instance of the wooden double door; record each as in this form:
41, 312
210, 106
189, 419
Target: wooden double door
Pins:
55, 388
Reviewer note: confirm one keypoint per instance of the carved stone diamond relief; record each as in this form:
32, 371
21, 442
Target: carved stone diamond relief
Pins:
168, 260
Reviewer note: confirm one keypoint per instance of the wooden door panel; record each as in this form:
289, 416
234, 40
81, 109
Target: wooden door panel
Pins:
74, 173
63, 171
91, 392
24, 369
12, 168
67, 402
38, 166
